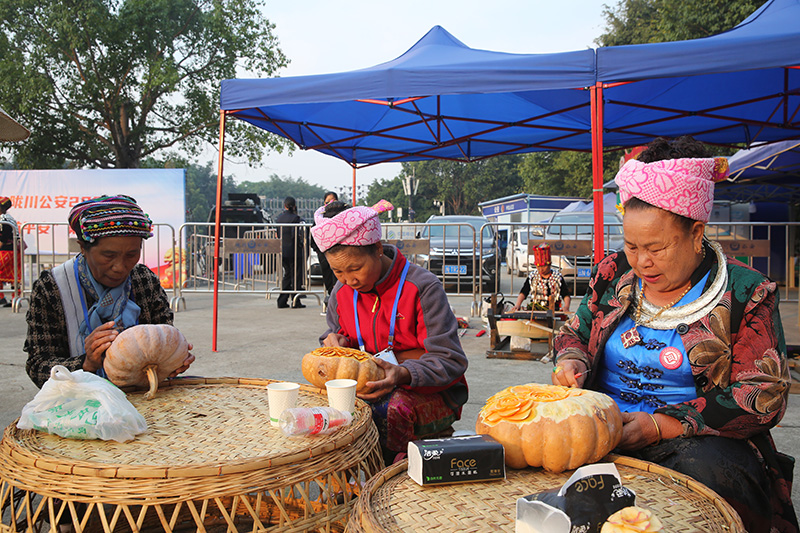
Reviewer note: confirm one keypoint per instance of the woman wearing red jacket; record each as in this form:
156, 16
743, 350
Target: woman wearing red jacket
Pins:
382, 303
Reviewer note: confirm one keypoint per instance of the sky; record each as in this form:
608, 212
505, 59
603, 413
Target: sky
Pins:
321, 36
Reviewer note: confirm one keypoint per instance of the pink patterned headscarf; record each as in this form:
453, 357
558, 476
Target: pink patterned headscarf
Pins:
681, 186
357, 226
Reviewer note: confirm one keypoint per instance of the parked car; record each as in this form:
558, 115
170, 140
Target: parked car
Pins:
453, 250
517, 258
580, 226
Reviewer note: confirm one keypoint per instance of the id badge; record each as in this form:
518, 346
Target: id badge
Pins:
387, 355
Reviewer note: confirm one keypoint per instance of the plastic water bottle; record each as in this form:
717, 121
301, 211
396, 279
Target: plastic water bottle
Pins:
303, 421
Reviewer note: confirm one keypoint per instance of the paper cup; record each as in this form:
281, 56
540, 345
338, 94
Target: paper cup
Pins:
342, 394
282, 395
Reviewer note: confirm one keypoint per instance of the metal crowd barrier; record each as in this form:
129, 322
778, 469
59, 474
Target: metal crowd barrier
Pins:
749, 242
250, 260
466, 259
468, 266
53, 245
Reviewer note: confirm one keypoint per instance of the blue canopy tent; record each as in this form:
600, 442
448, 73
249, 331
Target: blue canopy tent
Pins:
439, 100
767, 173
442, 99
740, 86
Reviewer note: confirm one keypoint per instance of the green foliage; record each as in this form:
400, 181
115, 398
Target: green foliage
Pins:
461, 186
277, 187
651, 21
631, 21
108, 83
564, 173
201, 186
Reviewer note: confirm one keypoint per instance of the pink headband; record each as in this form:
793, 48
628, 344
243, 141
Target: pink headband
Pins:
357, 226
681, 186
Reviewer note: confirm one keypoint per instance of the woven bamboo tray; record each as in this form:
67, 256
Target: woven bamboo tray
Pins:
392, 502
209, 459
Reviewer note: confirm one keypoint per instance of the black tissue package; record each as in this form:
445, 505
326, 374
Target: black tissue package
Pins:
456, 460
582, 505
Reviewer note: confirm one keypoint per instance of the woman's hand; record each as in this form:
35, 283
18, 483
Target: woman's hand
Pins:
638, 430
335, 339
514, 309
185, 365
394, 375
565, 371
96, 345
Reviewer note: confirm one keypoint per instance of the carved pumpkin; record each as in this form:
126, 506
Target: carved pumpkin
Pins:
145, 355
327, 363
557, 428
632, 520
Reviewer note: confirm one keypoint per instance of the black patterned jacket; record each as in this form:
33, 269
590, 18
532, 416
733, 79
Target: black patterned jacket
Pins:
47, 342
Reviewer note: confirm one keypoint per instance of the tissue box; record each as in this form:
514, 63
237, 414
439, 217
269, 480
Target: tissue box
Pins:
456, 460
583, 503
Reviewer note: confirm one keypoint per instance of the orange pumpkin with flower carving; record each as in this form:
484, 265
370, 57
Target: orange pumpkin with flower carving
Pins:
556, 428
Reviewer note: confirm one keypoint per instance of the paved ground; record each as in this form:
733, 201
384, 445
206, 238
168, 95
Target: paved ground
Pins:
258, 340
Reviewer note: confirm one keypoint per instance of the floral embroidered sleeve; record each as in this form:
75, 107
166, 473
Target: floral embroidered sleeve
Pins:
578, 338
742, 390
572, 341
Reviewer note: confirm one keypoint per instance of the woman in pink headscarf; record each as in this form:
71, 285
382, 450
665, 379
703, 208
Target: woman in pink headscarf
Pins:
688, 341
389, 307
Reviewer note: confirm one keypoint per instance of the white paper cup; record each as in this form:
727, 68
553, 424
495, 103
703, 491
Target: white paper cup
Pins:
342, 394
282, 395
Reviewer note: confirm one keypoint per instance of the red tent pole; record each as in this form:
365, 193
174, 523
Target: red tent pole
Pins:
354, 186
217, 229
597, 169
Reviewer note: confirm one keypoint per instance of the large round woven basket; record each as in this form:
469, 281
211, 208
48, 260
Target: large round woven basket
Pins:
392, 502
210, 460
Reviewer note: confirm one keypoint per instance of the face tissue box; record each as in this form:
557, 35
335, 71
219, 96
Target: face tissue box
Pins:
581, 505
456, 460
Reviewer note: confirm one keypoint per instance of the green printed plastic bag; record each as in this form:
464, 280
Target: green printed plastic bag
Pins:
81, 405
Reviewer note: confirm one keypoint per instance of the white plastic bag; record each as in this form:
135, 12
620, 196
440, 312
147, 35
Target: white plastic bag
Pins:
81, 405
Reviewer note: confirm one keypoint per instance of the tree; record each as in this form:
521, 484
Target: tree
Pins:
652, 21
563, 173
277, 187
108, 83
632, 21
461, 185
200, 185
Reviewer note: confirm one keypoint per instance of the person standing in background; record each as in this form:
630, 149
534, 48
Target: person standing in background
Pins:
544, 284
292, 254
8, 232
328, 277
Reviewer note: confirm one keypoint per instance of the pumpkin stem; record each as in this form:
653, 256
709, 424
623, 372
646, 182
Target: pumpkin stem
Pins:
152, 377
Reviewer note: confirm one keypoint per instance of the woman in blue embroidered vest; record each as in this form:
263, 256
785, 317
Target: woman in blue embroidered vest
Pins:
688, 341
78, 308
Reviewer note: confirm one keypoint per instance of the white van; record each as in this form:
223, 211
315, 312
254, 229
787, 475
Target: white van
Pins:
517, 258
